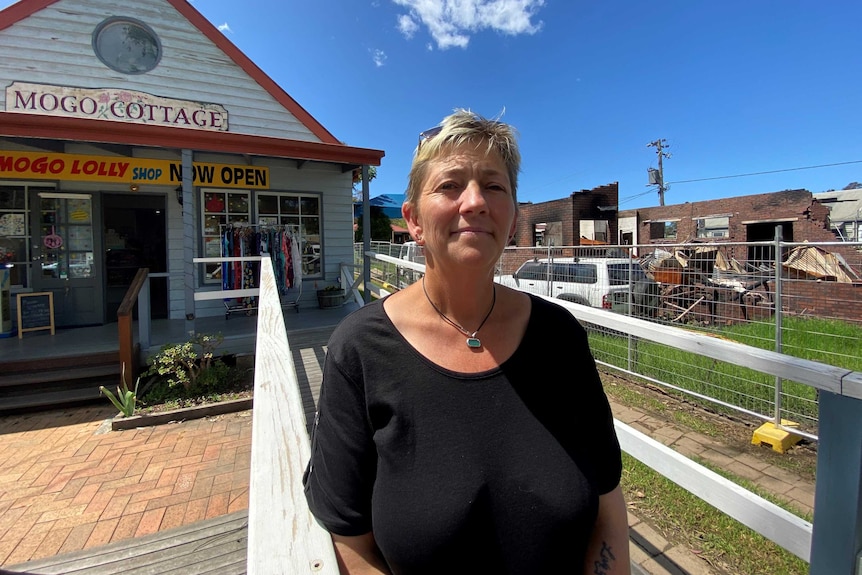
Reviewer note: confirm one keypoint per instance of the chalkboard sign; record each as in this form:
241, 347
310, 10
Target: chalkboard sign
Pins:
35, 312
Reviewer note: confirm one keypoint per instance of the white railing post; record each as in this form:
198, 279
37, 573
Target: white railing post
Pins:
837, 535
144, 315
283, 536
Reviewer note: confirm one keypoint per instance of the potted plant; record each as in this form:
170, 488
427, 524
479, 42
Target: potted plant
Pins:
330, 296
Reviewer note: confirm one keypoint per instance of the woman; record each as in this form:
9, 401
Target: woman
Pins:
461, 425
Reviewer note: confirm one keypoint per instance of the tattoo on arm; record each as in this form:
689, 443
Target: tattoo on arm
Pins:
606, 557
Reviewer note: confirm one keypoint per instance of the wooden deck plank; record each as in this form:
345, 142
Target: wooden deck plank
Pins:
215, 545
227, 556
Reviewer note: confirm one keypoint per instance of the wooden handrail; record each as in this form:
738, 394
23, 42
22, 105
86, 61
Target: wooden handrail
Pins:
128, 353
283, 537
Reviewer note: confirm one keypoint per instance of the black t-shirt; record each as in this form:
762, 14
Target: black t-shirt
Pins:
493, 472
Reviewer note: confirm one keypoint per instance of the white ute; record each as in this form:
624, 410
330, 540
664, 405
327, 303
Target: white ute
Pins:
596, 282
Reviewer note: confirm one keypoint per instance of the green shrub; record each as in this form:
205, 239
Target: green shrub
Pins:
181, 364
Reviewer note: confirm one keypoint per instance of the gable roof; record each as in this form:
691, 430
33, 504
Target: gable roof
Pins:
24, 125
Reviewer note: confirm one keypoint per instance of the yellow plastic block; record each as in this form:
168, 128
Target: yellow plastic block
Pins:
780, 439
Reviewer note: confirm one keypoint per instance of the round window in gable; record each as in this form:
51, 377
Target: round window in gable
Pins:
127, 45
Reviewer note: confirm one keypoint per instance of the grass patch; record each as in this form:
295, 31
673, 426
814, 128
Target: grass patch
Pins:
683, 517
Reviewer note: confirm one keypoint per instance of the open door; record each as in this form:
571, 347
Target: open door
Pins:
66, 254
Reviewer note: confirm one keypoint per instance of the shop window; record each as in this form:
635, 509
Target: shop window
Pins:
15, 234
663, 230
301, 214
220, 208
715, 227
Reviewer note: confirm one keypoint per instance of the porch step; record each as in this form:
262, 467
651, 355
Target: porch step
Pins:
55, 375
56, 381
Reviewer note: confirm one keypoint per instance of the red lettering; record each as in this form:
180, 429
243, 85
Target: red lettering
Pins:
134, 111
90, 167
149, 109
90, 104
44, 101
181, 115
215, 119
76, 168
20, 102
117, 114
39, 165
65, 101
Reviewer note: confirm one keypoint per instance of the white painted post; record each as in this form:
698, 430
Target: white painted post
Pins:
837, 534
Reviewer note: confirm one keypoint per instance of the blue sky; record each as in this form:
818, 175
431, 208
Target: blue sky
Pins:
735, 87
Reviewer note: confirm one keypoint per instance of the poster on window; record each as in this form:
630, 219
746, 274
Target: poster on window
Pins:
12, 225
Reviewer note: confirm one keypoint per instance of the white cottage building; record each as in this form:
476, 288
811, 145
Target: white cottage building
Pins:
134, 134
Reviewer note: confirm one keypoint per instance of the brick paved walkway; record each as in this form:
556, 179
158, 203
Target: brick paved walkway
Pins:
68, 483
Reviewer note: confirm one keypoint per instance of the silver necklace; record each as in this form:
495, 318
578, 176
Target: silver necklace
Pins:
472, 341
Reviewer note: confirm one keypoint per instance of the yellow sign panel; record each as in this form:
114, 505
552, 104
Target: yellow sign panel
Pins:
38, 166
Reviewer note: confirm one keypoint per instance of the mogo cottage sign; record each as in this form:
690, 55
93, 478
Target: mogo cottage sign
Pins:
114, 104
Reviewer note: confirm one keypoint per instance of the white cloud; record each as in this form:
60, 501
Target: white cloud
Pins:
378, 56
225, 28
451, 22
407, 26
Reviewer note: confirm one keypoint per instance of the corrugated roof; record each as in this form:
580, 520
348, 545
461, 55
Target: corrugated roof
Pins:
844, 205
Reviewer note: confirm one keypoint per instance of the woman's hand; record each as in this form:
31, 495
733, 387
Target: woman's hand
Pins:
608, 550
359, 555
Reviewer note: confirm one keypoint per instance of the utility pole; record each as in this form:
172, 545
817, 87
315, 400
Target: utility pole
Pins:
656, 177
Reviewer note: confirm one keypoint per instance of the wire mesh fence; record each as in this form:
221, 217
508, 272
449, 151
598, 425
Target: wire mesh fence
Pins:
802, 299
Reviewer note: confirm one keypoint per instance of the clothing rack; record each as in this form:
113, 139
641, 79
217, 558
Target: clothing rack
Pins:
279, 243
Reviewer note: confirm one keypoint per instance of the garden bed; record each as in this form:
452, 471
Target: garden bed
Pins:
183, 414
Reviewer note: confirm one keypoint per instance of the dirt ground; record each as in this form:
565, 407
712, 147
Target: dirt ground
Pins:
734, 430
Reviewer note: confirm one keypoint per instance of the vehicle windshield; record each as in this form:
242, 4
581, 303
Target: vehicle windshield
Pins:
618, 274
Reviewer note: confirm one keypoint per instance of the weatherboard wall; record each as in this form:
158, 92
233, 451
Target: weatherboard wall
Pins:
54, 46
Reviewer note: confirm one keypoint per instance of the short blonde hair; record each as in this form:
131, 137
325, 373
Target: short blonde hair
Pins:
459, 128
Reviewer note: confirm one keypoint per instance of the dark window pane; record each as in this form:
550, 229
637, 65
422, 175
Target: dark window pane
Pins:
289, 204
267, 204
11, 198
311, 225
310, 206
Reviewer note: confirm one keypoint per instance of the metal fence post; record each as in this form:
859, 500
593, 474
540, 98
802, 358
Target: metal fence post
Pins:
778, 323
837, 533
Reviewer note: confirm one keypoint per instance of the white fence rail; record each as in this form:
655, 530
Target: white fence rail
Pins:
812, 309
282, 531
283, 537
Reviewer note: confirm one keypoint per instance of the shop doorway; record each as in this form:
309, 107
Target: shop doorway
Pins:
66, 255
135, 236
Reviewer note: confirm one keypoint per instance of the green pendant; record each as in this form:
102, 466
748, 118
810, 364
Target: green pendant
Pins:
473, 342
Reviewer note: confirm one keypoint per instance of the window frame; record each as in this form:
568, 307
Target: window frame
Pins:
702, 230
312, 260
666, 227
22, 268
210, 234
148, 32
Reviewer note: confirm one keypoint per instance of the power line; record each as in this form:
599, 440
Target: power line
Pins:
769, 172
634, 197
